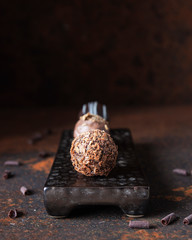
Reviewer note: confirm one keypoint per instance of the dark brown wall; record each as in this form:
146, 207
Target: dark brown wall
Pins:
70, 52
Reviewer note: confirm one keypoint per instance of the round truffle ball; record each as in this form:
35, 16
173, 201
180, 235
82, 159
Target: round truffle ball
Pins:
94, 153
89, 122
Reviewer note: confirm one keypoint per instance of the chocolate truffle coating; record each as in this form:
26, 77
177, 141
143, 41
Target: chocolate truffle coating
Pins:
89, 122
94, 153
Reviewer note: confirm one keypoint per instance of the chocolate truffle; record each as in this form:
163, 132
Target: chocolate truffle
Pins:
89, 122
94, 153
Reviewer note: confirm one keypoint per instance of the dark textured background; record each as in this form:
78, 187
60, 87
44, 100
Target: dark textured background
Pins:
119, 52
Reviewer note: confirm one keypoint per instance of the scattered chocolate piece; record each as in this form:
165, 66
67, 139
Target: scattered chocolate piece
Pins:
7, 174
44, 154
168, 219
12, 163
35, 138
47, 131
13, 213
187, 220
139, 224
24, 190
30, 141
180, 171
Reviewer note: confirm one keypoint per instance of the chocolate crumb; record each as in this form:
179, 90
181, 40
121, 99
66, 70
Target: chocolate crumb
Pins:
180, 171
12, 163
24, 190
168, 219
139, 224
44, 154
35, 138
187, 220
13, 213
47, 131
31, 141
7, 174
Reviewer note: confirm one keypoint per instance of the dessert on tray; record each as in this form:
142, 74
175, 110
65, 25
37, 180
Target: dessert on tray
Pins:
89, 122
89, 168
94, 153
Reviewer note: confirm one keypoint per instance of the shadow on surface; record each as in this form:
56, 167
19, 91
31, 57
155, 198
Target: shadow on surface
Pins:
96, 211
158, 178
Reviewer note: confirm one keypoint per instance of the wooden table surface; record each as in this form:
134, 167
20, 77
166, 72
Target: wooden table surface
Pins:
163, 139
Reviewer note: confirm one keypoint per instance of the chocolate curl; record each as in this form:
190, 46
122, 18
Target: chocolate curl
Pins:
7, 174
187, 220
180, 171
47, 131
44, 154
168, 219
11, 163
35, 138
13, 213
139, 224
24, 190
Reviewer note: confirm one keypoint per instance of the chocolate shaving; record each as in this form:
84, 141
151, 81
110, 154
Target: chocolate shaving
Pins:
187, 220
35, 138
47, 131
12, 163
7, 174
44, 154
168, 219
13, 213
24, 190
180, 171
139, 224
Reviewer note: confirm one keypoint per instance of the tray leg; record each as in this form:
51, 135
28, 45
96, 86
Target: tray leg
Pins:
130, 213
63, 213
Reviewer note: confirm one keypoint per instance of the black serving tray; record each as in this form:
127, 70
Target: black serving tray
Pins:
125, 186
